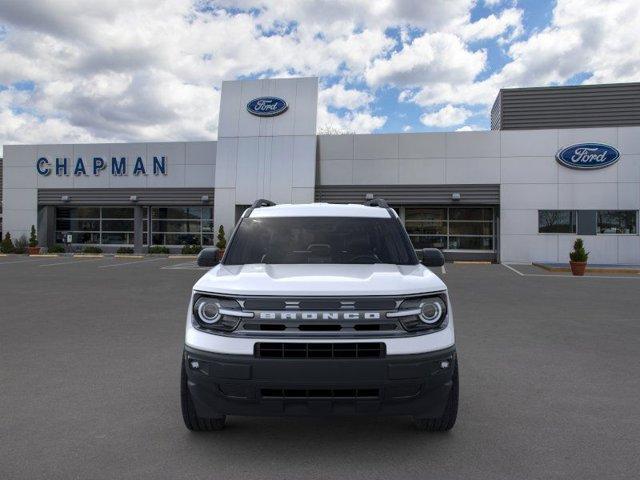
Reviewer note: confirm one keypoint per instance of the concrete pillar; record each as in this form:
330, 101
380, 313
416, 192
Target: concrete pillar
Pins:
46, 227
138, 215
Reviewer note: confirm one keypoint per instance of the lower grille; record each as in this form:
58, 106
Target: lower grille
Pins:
320, 350
333, 393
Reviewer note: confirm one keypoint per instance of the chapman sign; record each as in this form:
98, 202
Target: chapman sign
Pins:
588, 156
267, 106
118, 166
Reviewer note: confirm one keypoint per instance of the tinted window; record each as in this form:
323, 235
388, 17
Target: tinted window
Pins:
556, 221
343, 240
617, 221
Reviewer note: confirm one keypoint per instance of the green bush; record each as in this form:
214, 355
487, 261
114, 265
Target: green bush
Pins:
191, 249
57, 248
33, 238
579, 254
20, 245
7, 244
158, 249
91, 249
222, 241
125, 250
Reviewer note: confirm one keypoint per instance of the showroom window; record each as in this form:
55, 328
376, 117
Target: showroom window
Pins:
618, 222
556, 221
450, 228
182, 226
95, 225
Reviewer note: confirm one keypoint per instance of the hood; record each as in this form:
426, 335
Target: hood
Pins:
319, 279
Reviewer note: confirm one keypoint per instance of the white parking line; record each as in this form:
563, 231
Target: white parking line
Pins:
185, 266
130, 263
550, 275
75, 261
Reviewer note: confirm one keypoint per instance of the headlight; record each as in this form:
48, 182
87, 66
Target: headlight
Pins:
214, 313
431, 310
426, 313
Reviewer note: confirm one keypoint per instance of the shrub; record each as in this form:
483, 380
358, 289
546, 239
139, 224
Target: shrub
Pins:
191, 249
91, 249
7, 245
20, 245
222, 241
124, 250
158, 249
57, 248
33, 238
579, 254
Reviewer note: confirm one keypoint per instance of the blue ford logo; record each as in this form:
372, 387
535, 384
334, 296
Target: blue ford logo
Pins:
267, 106
588, 156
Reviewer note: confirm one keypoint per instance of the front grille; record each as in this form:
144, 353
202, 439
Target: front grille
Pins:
320, 350
324, 393
321, 304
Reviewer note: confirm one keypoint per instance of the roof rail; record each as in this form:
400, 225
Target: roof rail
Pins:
377, 202
261, 202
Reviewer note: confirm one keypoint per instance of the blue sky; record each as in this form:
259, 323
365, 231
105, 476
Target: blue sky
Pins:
77, 71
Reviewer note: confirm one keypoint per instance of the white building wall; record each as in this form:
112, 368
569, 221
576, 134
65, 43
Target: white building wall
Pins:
265, 157
189, 164
522, 162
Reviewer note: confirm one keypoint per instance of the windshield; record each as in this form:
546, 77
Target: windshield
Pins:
345, 240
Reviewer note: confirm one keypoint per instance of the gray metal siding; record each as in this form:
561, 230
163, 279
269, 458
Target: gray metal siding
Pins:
411, 194
567, 107
1, 196
121, 196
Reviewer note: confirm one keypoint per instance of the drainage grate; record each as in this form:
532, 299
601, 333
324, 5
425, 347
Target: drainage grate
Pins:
327, 393
320, 350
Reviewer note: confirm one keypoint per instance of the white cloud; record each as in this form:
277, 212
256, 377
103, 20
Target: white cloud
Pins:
469, 128
340, 97
509, 22
447, 116
432, 57
407, 128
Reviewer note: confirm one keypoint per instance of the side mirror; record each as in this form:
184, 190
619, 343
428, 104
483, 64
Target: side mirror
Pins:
432, 257
208, 257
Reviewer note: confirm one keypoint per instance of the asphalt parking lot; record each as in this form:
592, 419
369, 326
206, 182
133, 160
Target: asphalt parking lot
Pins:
89, 378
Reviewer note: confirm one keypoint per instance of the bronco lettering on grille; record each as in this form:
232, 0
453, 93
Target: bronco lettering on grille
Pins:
319, 315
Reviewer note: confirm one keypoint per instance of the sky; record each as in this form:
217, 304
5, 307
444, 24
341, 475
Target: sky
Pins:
77, 71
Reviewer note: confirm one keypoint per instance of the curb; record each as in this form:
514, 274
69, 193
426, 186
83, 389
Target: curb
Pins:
606, 270
45, 255
127, 255
183, 256
88, 255
472, 262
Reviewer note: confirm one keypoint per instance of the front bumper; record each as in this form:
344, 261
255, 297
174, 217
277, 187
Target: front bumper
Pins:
245, 385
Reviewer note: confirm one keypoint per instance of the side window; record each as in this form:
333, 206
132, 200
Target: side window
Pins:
618, 222
556, 221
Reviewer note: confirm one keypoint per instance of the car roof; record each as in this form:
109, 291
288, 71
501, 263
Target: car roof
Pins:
319, 210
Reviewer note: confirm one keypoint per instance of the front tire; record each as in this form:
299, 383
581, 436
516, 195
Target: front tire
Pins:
191, 419
447, 420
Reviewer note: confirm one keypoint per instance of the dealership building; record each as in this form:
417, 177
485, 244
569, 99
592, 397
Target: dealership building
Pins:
559, 162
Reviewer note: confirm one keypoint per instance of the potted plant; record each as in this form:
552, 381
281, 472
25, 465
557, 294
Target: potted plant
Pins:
33, 249
578, 258
7, 244
222, 242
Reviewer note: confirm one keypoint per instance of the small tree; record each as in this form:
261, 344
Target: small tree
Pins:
579, 254
7, 244
20, 245
222, 241
33, 237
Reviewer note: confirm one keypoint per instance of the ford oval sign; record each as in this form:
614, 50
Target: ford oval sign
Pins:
588, 156
267, 106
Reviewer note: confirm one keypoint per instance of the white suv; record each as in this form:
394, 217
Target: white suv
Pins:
319, 309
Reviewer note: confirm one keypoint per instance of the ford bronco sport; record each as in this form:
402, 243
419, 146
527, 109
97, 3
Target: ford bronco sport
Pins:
319, 309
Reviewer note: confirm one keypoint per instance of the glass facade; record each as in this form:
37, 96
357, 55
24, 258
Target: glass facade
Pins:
182, 226
95, 225
450, 228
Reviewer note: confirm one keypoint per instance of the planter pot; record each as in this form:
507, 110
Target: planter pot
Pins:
33, 250
578, 268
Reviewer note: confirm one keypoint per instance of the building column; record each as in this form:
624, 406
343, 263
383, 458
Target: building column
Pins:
46, 227
138, 215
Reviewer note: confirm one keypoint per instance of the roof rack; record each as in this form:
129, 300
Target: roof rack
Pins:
261, 202
377, 202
